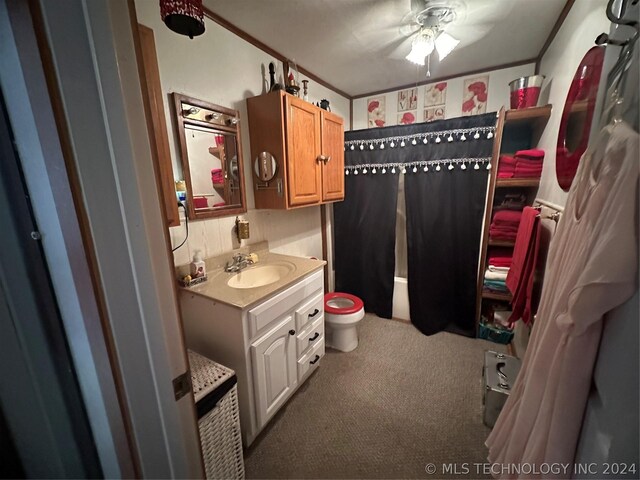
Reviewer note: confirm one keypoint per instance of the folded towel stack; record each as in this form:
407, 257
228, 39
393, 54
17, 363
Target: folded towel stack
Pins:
200, 202
504, 225
506, 166
497, 262
524, 164
216, 176
496, 280
495, 276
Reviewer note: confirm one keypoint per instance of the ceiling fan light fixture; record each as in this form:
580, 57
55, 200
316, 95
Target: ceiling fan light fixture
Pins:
421, 46
445, 44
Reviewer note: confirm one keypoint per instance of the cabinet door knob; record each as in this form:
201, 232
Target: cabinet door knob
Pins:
292, 332
326, 159
315, 360
314, 337
321, 158
315, 312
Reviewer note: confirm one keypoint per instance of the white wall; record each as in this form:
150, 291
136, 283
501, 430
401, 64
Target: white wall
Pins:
498, 96
222, 68
585, 21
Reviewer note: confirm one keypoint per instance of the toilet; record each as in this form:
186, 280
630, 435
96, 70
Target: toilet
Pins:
342, 313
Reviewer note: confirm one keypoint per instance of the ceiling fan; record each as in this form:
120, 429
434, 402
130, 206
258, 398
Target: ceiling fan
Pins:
437, 26
432, 17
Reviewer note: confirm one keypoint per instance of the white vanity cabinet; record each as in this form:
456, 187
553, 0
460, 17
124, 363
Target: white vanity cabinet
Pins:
274, 368
272, 345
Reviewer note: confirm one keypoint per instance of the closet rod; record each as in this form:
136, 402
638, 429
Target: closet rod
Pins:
557, 210
551, 205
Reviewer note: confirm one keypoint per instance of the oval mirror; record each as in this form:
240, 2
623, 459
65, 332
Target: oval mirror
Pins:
211, 154
577, 116
265, 166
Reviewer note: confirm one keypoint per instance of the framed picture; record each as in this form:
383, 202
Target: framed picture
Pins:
376, 113
434, 113
474, 95
407, 118
435, 94
407, 99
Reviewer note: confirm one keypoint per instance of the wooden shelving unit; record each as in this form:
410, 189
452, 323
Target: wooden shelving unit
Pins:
501, 243
528, 116
503, 297
515, 130
518, 183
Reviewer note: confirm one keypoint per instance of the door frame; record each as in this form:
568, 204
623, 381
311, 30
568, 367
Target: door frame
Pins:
68, 71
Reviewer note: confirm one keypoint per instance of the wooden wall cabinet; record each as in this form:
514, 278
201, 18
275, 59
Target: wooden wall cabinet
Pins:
308, 145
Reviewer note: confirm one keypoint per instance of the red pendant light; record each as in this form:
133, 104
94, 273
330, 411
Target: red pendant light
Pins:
183, 16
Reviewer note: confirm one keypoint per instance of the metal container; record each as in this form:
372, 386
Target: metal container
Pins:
498, 376
525, 91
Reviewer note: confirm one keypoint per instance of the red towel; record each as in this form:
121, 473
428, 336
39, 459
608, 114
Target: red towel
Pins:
502, 236
503, 231
507, 161
523, 162
216, 176
200, 202
526, 170
506, 166
500, 261
507, 217
526, 174
532, 153
525, 255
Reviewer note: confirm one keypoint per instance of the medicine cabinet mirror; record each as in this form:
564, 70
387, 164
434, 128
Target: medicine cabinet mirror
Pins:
211, 153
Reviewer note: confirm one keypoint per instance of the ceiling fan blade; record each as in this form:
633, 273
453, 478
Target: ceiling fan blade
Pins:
482, 11
468, 34
385, 40
399, 49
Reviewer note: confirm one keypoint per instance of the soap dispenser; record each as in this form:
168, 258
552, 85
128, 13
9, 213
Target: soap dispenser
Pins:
198, 268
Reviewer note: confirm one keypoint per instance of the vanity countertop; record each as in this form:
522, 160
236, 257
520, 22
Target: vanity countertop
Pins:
216, 287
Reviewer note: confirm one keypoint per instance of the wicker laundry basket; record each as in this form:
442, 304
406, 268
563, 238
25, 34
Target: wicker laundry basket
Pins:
216, 395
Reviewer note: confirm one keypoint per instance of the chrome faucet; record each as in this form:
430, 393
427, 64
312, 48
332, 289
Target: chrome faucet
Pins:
239, 262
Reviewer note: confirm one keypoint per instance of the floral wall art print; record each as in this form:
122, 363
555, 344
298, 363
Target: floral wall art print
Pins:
407, 104
435, 98
376, 113
474, 95
407, 118
407, 99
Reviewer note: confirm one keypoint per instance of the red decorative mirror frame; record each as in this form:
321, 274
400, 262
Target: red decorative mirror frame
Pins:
577, 116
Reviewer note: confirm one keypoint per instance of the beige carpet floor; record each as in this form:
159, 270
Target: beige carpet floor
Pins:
398, 402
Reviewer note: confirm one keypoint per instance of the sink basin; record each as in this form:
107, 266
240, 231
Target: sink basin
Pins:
261, 275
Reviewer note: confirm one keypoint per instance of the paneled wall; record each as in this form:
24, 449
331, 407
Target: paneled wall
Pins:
222, 68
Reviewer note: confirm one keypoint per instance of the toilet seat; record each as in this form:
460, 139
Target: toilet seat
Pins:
350, 303
342, 313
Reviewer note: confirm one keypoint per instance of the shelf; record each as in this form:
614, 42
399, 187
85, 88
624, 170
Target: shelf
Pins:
501, 243
528, 115
504, 297
518, 182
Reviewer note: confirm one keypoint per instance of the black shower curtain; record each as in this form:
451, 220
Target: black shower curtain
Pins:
444, 164
444, 223
365, 223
